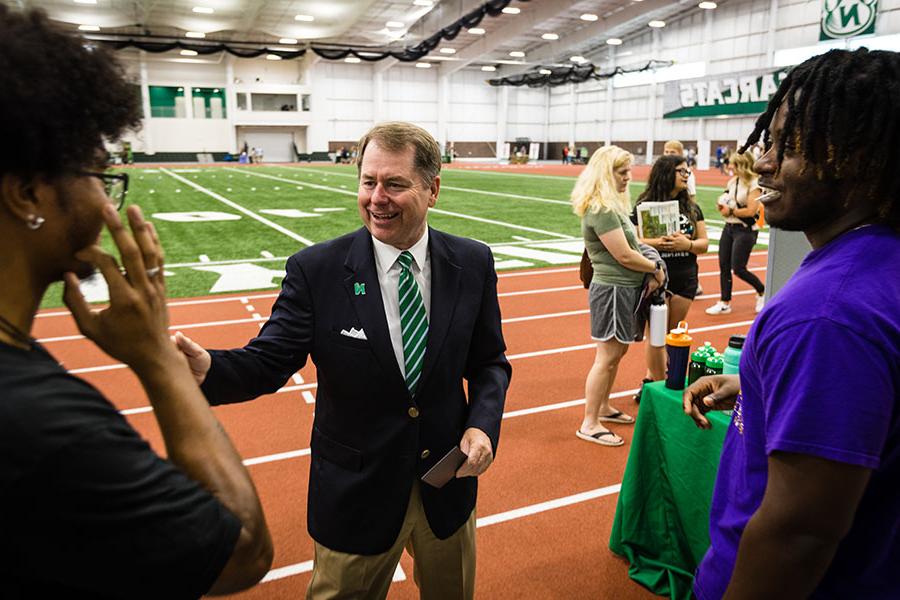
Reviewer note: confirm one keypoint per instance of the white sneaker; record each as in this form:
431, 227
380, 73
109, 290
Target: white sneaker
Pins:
760, 302
719, 308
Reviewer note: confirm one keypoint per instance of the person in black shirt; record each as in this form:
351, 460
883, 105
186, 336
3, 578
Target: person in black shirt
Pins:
91, 511
669, 182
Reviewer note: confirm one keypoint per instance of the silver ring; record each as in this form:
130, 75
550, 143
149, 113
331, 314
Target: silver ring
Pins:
153, 272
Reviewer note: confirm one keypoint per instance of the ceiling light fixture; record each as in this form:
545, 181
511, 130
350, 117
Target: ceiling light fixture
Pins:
216, 91
423, 3
614, 42
578, 59
517, 54
305, 18
195, 34
448, 50
188, 53
589, 17
85, 1
204, 10
288, 41
393, 24
476, 31
489, 68
272, 57
352, 59
89, 27
511, 10
423, 65
545, 72
657, 24
707, 5
550, 36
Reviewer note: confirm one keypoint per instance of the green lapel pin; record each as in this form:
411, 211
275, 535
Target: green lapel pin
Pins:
359, 289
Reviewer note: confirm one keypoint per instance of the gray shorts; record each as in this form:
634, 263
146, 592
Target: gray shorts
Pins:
612, 312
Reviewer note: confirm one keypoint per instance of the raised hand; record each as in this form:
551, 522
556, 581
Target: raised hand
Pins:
134, 327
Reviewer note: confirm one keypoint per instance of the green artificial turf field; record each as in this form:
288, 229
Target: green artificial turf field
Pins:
229, 229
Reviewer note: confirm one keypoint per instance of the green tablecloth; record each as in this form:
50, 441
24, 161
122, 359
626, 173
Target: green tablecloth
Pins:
662, 517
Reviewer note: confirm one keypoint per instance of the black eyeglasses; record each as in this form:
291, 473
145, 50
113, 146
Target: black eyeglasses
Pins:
683, 171
115, 185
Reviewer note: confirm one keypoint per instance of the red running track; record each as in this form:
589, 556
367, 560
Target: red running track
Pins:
541, 551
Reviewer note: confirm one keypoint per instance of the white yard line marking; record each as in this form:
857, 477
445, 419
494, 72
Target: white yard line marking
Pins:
433, 210
453, 188
240, 208
308, 397
553, 258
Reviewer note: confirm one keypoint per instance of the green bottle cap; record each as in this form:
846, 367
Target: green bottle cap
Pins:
715, 362
698, 355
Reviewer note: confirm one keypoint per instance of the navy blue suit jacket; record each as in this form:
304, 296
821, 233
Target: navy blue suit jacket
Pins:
367, 441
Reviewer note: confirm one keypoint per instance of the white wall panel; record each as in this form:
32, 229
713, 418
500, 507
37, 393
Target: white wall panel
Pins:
189, 135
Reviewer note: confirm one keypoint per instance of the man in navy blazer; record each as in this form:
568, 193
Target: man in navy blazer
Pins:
376, 432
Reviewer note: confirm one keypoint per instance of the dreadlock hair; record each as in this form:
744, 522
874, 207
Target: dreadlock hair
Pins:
60, 97
662, 181
842, 118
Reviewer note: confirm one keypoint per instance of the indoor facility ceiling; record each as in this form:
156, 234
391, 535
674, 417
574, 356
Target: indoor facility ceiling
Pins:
515, 41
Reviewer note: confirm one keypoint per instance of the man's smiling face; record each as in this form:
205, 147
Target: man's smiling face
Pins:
393, 199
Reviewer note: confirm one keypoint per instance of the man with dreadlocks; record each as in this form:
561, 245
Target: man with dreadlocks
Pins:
807, 502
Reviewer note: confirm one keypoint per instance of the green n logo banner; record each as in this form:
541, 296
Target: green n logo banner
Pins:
847, 18
359, 289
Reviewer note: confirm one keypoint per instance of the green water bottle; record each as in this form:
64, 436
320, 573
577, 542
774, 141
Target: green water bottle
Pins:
732, 354
697, 366
714, 364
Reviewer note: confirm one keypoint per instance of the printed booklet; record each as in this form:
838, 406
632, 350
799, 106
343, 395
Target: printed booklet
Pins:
656, 219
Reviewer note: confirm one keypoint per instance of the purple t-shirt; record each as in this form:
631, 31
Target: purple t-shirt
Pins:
820, 375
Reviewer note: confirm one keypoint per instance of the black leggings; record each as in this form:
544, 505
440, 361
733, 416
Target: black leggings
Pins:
734, 251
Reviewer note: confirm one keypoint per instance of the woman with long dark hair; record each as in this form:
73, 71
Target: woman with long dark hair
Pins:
669, 181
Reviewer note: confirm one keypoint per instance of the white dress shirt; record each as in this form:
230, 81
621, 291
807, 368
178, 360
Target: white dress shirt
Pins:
388, 280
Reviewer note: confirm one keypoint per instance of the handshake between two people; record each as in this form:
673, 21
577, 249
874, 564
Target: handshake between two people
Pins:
475, 444
713, 392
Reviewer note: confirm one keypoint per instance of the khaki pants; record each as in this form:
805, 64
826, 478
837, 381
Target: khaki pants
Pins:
443, 569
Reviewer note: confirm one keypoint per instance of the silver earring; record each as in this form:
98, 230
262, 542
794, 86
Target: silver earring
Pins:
34, 222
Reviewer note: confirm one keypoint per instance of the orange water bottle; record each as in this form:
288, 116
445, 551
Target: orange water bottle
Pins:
678, 350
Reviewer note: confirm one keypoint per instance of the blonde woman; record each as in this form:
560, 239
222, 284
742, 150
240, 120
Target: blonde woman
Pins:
739, 207
601, 199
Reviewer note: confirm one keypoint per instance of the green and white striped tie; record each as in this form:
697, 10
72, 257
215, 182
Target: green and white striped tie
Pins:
413, 322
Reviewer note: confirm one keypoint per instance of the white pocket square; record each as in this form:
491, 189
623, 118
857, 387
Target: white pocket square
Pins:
357, 334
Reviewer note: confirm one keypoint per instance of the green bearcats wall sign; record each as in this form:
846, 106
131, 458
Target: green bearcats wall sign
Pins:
847, 18
733, 94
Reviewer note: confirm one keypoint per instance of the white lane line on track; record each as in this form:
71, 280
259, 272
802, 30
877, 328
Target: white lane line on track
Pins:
216, 300
509, 515
240, 208
256, 317
593, 345
433, 210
